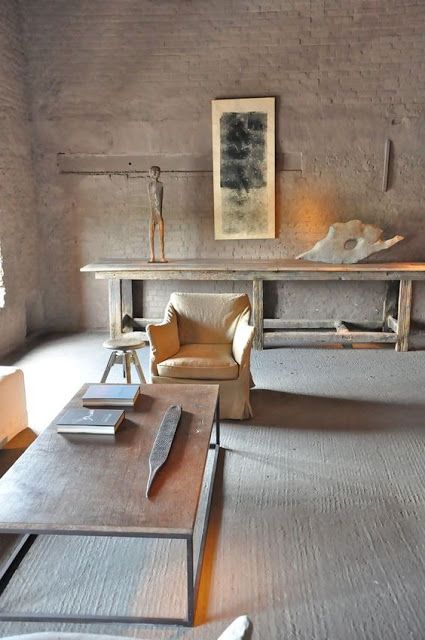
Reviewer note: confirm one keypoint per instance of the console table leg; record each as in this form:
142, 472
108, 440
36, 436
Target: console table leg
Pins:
403, 321
127, 304
115, 305
258, 313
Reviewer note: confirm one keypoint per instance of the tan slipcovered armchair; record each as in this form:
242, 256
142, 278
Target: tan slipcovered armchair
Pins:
205, 338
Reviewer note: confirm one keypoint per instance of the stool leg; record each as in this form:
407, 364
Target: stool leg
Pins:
109, 366
127, 360
138, 366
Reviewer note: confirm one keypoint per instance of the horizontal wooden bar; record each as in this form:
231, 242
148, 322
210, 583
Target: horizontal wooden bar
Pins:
98, 163
142, 322
282, 338
281, 323
127, 164
248, 270
249, 276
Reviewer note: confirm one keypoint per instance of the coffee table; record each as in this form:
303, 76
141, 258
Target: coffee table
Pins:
95, 486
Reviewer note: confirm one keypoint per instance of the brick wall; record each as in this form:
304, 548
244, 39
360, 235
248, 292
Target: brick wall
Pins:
18, 212
130, 76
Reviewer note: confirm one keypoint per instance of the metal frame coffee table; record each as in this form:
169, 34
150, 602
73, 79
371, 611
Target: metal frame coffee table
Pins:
171, 512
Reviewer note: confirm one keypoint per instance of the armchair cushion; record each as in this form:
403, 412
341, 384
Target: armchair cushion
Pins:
201, 362
209, 318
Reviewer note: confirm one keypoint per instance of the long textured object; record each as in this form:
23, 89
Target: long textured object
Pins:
163, 441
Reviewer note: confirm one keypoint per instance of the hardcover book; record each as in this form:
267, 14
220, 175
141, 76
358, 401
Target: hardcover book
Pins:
98, 421
111, 395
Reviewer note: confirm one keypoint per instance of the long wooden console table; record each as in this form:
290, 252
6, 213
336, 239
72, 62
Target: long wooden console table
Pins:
394, 328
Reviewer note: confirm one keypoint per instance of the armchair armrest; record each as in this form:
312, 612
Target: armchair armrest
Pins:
164, 337
242, 342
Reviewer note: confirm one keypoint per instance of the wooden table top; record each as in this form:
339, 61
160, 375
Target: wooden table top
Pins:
301, 268
96, 484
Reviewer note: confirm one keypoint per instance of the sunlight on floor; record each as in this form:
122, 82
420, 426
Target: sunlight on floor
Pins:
55, 369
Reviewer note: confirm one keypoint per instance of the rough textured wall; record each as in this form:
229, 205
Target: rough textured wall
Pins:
18, 211
133, 76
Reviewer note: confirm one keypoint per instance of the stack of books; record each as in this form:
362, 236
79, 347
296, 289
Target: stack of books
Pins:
111, 395
94, 420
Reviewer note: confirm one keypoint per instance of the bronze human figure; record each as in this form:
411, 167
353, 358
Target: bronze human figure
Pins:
156, 191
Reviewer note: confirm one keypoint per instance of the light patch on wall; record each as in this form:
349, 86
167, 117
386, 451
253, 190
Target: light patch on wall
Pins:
312, 212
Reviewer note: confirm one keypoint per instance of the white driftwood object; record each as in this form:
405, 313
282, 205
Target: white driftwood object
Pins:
349, 242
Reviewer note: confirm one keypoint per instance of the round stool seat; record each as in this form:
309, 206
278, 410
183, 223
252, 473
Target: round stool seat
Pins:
131, 340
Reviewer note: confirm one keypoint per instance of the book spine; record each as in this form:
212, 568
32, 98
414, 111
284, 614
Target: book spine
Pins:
100, 431
107, 403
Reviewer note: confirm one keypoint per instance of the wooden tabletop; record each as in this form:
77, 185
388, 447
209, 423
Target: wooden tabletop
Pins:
96, 484
289, 268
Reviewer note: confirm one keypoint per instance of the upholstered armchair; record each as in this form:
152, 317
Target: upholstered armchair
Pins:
205, 338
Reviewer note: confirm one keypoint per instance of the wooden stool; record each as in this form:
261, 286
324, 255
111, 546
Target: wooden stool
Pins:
124, 352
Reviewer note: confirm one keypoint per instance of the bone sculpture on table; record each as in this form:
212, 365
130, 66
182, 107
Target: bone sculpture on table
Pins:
349, 242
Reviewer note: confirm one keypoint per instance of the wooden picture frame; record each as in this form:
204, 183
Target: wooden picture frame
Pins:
243, 142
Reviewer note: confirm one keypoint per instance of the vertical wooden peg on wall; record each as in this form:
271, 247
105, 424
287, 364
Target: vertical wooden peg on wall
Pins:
387, 151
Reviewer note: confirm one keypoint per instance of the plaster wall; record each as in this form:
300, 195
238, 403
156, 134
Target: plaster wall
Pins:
137, 77
19, 242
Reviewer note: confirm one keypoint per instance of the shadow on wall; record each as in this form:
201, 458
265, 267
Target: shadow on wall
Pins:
291, 411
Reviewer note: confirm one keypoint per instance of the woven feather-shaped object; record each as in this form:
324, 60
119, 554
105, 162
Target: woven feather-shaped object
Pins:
163, 441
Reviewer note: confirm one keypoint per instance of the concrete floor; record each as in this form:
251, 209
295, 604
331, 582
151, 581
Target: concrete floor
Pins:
318, 514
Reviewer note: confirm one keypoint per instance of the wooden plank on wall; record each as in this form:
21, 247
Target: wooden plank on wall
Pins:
101, 163
98, 164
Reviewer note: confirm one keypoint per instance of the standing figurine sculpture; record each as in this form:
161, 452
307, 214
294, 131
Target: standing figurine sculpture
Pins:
156, 192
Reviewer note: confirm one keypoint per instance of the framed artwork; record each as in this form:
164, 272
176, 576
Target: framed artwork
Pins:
243, 141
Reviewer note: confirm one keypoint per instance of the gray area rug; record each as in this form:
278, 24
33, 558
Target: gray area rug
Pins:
317, 523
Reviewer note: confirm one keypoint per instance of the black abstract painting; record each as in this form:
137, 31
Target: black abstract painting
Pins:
243, 175
243, 145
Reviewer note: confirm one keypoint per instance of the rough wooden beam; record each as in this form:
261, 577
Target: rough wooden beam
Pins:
126, 303
108, 164
387, 151
273, 323
98, 164
115, 314
404, 308
282, 338
258, 313
308, 323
